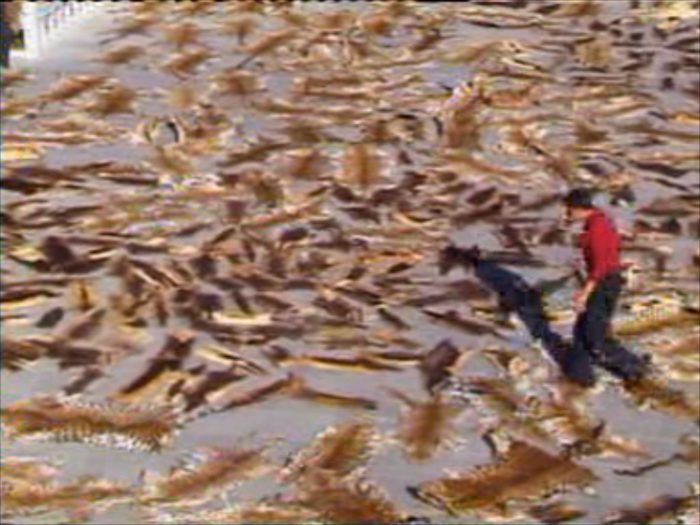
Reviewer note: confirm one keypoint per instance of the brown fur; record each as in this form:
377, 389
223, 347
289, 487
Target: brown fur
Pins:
338, 449
184, 63
117, 98
660, 507
525, 471
350, 500
220, 468
23, 497
361, 165
182, 34
122, 54
425, 427
123, 426
73, 86
658, 395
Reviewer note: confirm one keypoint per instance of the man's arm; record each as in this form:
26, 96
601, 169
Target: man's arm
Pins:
586, 290
600, 243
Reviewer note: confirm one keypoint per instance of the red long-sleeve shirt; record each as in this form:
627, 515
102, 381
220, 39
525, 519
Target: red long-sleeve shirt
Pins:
600, 243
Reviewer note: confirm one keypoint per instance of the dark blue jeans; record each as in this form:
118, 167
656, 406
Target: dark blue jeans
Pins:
592, 331
516, 295
6, 37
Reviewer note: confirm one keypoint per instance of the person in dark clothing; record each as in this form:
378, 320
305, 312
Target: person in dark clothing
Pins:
8, 13
517, 296
5, 40
597, 299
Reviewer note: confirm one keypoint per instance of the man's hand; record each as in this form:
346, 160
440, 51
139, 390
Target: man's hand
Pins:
581, 297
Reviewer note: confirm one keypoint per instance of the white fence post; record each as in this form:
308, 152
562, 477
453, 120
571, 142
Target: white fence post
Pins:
32, 29
41, 20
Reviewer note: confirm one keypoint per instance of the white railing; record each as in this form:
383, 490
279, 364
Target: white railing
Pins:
41, 21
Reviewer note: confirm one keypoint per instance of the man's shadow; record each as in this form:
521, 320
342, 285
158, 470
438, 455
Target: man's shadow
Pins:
517, 296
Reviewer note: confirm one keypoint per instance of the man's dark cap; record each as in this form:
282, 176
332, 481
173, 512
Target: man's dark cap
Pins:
579, 198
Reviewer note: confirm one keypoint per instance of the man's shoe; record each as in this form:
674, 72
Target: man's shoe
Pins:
642, 369
586, 381
577, 367
632, 369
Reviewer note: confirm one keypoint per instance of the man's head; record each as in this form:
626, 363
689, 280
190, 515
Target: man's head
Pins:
578, 203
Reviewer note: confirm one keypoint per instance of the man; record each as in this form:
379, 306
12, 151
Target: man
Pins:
596, 301
9, 18
5, 38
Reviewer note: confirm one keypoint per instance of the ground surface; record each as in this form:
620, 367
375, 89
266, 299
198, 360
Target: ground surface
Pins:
554, 109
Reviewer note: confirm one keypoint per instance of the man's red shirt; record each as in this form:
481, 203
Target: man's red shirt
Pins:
600, 243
